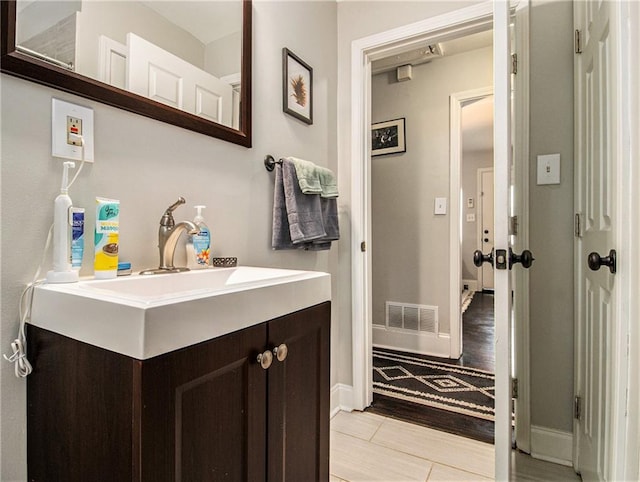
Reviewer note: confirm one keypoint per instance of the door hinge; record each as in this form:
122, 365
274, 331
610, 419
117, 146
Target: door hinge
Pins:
577, 408
577, 42
514, 64
363, 246
513, 225
577, 225
514, 388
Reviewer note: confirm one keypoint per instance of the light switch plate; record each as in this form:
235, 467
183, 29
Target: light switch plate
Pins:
440, 205
549, 169
471, 218
64, 114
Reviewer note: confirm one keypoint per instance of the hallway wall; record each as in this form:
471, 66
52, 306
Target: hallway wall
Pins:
410, 244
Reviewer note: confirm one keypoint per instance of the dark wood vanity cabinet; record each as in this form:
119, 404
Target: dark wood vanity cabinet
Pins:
203, 413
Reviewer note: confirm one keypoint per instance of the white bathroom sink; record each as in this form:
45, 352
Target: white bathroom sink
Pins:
146, 316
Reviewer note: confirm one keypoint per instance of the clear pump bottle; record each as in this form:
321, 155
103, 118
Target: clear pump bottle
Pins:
199, 245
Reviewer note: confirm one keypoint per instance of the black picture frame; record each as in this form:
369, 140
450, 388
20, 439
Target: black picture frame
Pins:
388, 137
297, 87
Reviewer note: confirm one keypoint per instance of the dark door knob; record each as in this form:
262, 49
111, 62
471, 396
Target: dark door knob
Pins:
486, 240
486, 231
479, 258
595, 261
526, 258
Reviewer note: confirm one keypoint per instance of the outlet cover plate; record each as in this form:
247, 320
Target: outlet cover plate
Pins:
548, 169
60, 110
440, 206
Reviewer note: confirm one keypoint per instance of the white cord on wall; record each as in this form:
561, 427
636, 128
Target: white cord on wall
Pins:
22, 366
18, 346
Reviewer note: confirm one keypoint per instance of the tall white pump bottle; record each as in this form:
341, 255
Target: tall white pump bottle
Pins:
62, 271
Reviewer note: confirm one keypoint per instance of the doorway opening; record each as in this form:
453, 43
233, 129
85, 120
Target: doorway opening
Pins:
418, 373
365, 51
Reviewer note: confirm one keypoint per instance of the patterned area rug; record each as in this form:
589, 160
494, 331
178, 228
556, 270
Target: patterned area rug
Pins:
448, 387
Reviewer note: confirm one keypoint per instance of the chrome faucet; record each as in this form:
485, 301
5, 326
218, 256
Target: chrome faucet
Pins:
168, 235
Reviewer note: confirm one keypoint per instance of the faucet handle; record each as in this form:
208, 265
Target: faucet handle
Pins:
167, 217
173, 207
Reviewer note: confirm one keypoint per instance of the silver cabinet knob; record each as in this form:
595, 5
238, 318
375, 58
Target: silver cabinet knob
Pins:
281, 352
265, 359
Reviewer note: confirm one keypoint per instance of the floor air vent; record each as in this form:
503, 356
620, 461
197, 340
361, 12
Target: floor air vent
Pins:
419, 318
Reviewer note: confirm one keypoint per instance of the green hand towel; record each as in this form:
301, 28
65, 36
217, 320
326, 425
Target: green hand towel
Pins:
315, 179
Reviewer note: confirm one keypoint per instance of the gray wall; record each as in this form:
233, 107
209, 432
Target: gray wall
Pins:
410, 243
147, 164
551, 216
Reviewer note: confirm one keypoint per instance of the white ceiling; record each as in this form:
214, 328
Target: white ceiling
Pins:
477, 125
207, 21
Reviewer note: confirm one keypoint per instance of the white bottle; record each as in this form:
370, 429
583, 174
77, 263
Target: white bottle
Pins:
199, 245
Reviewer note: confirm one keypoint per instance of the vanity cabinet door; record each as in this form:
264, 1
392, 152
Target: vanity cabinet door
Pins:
203, 411
79, 411
298, 393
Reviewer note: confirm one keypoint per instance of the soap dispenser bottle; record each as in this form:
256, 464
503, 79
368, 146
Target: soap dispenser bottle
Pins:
199, 245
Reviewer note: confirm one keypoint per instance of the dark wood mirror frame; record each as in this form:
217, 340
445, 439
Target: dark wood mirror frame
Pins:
15, 63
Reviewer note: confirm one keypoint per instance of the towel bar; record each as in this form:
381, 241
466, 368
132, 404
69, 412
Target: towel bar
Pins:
270, 162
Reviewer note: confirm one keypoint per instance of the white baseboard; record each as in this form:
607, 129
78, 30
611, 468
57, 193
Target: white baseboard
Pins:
341, 398
552, 445
412, 342
471, 283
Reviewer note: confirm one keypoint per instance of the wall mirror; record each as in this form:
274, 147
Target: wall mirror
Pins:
187, 63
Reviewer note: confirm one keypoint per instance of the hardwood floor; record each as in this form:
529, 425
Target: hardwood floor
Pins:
478, 352
478, 334
443, 420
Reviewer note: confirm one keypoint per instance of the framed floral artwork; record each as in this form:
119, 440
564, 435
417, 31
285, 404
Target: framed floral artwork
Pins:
297, 87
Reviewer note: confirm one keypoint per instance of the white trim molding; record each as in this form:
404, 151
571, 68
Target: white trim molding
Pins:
422, 343
341, 399
456, 102
624, 450
552, 445
521, 134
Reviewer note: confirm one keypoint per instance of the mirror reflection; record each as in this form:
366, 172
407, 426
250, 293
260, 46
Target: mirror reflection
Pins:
185, 54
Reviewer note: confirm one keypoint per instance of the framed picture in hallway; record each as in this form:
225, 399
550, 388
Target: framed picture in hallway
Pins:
388, 137
297, 87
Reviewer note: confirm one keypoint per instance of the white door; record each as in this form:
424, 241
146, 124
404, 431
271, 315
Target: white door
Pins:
486, 226
502, 280
595, 198
164, 77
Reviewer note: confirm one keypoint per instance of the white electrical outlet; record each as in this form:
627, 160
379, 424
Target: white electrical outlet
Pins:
71, 131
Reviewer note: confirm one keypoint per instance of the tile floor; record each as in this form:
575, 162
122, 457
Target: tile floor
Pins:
370, 447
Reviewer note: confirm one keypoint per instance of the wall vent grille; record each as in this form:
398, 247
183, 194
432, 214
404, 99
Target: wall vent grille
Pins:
410, 317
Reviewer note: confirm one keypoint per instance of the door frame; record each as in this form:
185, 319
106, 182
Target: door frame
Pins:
363, 51
456, 102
